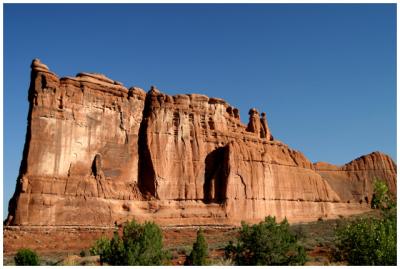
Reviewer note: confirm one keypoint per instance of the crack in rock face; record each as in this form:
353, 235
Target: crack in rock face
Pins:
97, 153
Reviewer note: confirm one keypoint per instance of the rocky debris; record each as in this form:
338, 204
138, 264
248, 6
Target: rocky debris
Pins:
75, 260
97, 152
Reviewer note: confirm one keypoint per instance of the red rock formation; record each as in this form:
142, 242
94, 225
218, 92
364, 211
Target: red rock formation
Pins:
97, 152
353, 182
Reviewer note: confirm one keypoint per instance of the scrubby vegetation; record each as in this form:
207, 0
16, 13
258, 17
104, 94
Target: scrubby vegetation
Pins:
382, 198
371, 241
101, 247
199, 253
368, 241
266, 243
139, 245
26, 256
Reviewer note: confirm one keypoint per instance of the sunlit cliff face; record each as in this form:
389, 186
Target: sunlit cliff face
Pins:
97, 153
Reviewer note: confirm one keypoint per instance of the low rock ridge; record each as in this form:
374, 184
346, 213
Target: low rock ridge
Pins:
97, 153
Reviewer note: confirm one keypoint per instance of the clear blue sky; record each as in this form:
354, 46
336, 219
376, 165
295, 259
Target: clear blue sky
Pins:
324, 74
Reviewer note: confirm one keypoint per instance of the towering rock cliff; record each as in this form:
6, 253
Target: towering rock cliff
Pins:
98, 153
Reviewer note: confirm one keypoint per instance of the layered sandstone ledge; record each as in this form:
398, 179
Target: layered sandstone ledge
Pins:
97, 153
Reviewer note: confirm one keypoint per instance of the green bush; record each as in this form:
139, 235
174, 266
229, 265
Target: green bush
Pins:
371, 241
266, 243
199, 253
382, 199
26, 256
102, 248
139, 245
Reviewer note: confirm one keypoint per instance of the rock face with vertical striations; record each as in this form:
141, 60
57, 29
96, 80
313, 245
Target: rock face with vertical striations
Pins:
97, 153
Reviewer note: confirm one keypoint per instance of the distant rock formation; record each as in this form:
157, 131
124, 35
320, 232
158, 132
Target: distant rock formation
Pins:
97, 153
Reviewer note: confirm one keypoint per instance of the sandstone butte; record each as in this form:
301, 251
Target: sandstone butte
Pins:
97, 153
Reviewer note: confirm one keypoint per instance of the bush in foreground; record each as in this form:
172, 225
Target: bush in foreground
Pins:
368, 241
26, 256
266, 243
139, 245
371, 241
102, 247
199, 253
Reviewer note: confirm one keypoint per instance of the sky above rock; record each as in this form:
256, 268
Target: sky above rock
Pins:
325, 74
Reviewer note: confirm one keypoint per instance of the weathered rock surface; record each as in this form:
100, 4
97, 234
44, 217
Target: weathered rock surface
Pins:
98, 153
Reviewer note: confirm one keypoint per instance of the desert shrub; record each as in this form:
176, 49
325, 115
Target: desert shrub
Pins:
139, 245
70, 260
102, 248
117, 253
371, 241
266, 243
368, 241
184, 250
199, 253
381, 198
143, 244
26, 256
